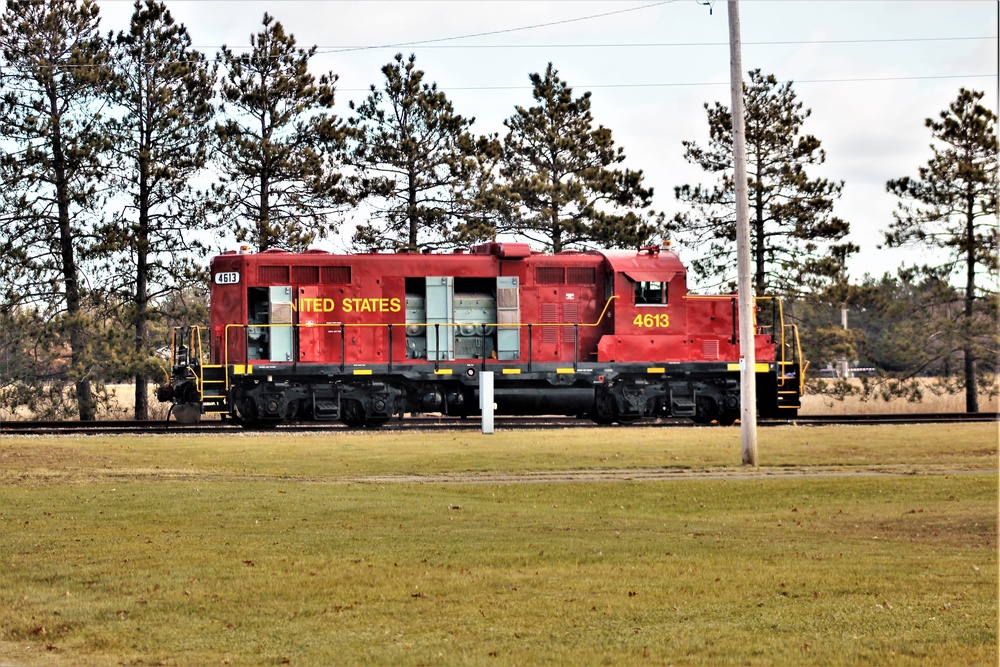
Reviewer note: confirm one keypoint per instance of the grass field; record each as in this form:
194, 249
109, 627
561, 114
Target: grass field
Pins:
849, 545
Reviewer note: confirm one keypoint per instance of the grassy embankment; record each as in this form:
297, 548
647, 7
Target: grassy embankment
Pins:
852, 545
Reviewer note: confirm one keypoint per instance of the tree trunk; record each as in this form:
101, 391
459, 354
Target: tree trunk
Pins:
74, 312
759, 249
411, 207
264, 221
141, 286
971, 390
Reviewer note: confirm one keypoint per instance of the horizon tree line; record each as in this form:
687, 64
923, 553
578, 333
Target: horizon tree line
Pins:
108, 139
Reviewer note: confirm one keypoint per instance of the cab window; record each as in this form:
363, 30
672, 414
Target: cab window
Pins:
651, 293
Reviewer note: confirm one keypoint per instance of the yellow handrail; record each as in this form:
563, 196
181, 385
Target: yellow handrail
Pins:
195, 342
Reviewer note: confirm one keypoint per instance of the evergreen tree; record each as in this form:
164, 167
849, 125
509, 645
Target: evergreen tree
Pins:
796, 241
560, 174
54, 74
279, 146
908, 327
164, 92
418, 161
952, 205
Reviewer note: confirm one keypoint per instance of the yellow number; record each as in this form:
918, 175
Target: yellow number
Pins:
652, 321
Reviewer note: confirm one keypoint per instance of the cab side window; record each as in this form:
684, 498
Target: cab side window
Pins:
651, 293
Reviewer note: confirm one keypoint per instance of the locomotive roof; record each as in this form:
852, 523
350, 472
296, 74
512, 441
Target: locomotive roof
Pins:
651, 263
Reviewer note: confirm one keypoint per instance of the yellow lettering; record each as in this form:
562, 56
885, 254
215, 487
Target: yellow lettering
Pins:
364, 305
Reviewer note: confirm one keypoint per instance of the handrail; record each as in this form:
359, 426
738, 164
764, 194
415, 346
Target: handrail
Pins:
343, 326
195, 351
778, 327
196, 344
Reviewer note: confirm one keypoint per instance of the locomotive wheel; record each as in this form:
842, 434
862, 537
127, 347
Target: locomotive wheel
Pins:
706, 411
603, 410
352, 413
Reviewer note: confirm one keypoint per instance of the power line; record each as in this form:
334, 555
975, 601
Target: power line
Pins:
345, 49
705, 83
506, 30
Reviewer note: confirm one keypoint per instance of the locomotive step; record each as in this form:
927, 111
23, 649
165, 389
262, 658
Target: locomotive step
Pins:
682, 407
326, 409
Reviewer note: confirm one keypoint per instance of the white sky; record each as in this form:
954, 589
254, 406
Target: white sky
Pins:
871, 71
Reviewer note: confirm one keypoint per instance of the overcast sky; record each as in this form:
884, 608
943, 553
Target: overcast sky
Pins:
871, 71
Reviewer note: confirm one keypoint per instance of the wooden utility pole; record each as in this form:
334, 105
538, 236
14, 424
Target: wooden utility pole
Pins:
744, 286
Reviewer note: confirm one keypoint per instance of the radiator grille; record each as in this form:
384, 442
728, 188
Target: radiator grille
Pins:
581, 275
550, 315
550, 275
335, 275
305, 275
272, 275
571, 315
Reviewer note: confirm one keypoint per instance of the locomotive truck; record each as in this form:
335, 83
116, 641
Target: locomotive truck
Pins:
612, 335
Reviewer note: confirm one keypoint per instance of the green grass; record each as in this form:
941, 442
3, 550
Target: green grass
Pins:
260, 550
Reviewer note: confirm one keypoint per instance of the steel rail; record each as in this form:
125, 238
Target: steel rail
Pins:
455, 423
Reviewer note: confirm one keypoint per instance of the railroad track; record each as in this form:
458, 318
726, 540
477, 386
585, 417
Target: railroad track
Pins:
453, 423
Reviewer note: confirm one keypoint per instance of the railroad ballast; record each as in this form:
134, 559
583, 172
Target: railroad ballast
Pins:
612, 335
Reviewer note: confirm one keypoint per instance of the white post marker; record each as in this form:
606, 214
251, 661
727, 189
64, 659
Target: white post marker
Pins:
486, 400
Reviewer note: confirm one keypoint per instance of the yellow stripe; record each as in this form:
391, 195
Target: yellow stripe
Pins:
362, 371
443, 371
656, 370
239, 370
760, 368
564, 371
512, 371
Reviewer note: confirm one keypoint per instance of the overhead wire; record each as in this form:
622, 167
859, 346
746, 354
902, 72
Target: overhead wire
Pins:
434, 43
695, 84
345, 49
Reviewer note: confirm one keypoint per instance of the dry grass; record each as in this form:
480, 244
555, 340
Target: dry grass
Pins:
258, 550
932, 403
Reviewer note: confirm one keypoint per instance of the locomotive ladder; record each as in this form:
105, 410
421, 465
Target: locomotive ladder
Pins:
212, 389
210, 379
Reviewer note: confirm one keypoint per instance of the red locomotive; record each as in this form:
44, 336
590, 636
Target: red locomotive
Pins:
361, 339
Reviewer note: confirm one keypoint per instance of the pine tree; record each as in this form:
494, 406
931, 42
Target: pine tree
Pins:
952, 205
54, 76
419, 163
560, 174
796, 241
164, 92
279, 147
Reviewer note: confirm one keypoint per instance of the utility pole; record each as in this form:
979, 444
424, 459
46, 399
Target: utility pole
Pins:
744, 286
